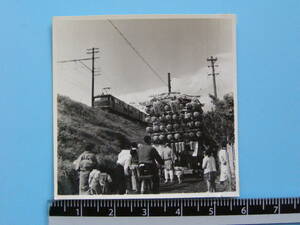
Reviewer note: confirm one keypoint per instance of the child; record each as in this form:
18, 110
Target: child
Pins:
178, 171
169, 157
209, 166
99, 182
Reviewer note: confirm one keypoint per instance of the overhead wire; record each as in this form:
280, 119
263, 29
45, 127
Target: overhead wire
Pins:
138, 53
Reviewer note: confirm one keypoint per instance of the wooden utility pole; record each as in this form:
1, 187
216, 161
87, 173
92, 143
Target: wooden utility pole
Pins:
93, 51
212, 61
169, 83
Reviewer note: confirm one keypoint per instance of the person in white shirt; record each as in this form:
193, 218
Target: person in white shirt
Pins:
209, 166
122, 175
225, 174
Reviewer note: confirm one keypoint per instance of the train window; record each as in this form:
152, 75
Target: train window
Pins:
103, 99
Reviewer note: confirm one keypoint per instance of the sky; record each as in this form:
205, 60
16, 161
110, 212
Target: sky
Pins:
178, 46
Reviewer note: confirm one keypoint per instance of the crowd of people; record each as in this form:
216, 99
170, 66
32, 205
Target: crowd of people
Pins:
142, 167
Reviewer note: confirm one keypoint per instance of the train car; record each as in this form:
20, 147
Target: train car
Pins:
110, 103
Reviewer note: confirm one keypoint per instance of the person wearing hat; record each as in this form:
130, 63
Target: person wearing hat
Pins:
149, 156
85, 163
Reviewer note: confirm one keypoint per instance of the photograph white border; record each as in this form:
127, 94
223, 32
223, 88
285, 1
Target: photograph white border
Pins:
147, 196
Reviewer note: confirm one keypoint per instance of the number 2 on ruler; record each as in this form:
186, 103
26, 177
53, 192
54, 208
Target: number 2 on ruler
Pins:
110, 212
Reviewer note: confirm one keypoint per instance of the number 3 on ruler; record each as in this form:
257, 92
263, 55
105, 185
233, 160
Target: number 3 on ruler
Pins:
144, 212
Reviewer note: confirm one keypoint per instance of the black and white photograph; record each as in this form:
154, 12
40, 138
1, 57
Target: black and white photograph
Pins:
145, 106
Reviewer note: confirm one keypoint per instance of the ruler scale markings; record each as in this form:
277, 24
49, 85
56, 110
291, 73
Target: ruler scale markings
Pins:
214, 204
174, 207
114, 205
148, 204
181, 209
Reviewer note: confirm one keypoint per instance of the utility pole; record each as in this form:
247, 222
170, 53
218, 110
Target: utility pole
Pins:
91, 51
169, 83
212, 61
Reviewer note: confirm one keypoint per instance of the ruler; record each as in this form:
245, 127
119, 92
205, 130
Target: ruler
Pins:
170, 211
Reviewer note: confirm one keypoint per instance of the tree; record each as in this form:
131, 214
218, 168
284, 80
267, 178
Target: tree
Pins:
219, 122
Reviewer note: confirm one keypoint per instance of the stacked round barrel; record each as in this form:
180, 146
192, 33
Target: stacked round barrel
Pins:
174, 119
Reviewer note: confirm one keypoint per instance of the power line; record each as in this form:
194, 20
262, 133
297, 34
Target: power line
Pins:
91, 51
76, 60
137, 52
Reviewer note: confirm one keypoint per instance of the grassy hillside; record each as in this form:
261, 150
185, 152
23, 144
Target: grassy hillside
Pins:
78, 125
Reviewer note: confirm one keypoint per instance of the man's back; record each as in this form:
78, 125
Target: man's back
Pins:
148, 154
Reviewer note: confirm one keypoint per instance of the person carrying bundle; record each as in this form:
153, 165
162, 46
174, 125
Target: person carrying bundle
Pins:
85, 163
